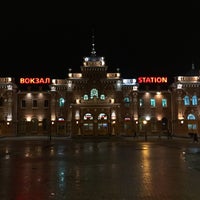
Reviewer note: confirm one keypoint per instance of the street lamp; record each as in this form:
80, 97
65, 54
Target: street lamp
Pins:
136, 128
145, 129
50, 132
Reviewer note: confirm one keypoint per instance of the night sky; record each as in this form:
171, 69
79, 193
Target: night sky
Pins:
144, 41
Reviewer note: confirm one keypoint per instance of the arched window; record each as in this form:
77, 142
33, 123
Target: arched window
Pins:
61, 102
88, 116
126, 100
191, 117
194, 100
94, 93
85, 97
186, 100
191, 125
102, 116
102, 97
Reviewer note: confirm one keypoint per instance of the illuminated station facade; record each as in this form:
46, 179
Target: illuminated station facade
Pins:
97, 103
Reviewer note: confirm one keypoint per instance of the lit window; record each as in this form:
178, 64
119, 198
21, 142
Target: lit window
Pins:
127, 100
164, 102
102, 116
102, 126
186, 100
191, 126
88, 116
102, 97
194, 100
191, 117
61, 102
152, 102
88, 127
77, 115
94, 93
113, 115
85, 97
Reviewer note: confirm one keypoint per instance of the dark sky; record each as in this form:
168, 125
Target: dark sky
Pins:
140, 40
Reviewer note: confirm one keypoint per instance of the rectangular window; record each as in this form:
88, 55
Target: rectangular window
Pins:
34, 103
23, 104
46, 103
194, 100
164, 102
186, 101
152, 102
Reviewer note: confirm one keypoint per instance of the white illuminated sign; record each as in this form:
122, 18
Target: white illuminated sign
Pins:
129, 81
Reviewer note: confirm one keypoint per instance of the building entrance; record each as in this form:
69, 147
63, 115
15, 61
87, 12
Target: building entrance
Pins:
95, 129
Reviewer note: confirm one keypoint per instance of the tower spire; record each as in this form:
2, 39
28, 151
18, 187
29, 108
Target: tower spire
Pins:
93, 52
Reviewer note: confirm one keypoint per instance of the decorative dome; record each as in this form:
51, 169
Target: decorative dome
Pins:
93, 60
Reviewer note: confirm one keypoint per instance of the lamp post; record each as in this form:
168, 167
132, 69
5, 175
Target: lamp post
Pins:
145, 129
136, 128
50, 132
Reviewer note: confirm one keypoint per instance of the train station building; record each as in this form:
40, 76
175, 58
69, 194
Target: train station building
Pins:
96, 102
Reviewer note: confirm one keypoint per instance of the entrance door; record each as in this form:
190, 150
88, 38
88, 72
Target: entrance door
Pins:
192, 124
88, 129
102, 128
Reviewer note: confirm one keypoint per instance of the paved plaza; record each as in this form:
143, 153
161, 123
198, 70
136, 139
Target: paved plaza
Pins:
99, 169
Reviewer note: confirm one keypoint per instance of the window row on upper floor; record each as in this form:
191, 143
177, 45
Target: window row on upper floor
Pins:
153, 103
190, 101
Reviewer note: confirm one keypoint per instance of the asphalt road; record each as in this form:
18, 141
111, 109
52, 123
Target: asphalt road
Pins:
99, 169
